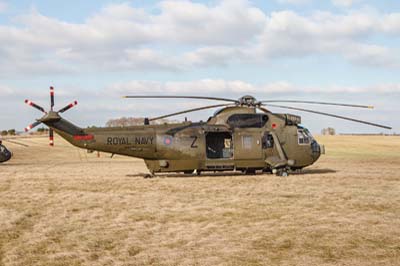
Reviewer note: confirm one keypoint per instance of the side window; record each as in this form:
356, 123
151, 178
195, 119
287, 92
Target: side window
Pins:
247, 120
247, 142
303, 137
267, 141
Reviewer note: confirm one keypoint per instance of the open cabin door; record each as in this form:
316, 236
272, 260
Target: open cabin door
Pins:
247, 144
219, 145
219, 150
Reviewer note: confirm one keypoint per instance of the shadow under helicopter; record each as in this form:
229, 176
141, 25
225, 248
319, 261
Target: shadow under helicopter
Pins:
223, 174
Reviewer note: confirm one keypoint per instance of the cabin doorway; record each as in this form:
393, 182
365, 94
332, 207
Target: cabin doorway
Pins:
219, 145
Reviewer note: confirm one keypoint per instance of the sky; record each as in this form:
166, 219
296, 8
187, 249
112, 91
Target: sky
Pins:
97, 51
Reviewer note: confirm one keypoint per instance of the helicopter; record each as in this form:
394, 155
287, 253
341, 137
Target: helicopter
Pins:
5, 154
242, 135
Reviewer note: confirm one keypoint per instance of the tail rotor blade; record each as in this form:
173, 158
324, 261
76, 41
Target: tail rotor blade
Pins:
32, 126
51, 137
30, 103
69, 106
51, 98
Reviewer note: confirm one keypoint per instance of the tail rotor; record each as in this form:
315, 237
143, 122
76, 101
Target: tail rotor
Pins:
31, 126
51, 98
51, 137
39, 121
67, 107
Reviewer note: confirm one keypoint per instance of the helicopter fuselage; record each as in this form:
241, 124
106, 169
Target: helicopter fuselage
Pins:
235, 138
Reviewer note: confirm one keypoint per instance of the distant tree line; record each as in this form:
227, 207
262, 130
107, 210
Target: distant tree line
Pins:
10, 132
42, 130
328, 131
134, 121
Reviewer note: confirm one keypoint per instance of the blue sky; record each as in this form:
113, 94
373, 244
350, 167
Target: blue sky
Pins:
97, 51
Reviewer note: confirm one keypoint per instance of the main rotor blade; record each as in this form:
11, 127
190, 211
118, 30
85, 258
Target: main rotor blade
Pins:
51, 98
69, 106
265, 110
15, 142
51, 137
179, 97
32, 126
323, 103
332, 115
30, 103
188, 111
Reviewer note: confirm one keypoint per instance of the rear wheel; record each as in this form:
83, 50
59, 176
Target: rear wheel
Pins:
250, 171
188, 172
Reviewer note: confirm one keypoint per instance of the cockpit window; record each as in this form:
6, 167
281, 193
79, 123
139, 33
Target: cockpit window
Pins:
304, 136
247, 120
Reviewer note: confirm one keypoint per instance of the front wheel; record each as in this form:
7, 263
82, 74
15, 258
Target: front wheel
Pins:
282, 172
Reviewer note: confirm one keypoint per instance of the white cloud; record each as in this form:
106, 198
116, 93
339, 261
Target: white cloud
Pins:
238, 88
5, 91
288, 34
294, 2
3, 7
345, 3
185, 35
228, 23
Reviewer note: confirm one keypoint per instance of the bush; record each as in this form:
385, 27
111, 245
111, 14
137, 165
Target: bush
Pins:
11, 132
328, 131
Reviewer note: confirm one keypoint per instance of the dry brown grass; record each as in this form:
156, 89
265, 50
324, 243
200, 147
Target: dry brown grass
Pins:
62, 206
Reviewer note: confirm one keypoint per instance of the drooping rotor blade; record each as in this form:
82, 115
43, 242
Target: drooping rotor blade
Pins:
15, 142
331, 115
179, 97
322, 103
51, 137
28, 102
51, 98
69, 106
265, 110
189, 111
32, 126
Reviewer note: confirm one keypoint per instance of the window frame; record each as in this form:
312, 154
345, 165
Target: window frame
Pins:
304, 137
262, 120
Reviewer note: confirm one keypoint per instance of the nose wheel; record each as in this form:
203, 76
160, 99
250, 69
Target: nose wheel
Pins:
281, 172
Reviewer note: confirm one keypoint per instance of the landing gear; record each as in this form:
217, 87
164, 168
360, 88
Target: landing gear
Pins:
188, 172
281, 172
197, 172
267, 170
151, 175
192, 172
250, 171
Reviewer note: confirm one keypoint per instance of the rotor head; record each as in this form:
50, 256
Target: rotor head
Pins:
248, 100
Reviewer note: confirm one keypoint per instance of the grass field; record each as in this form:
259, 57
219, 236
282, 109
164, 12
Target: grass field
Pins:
61, 206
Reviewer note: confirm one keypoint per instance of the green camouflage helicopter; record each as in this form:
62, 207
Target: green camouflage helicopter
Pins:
241, 136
